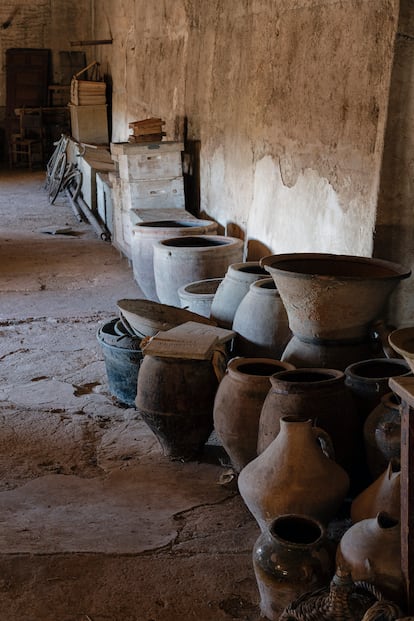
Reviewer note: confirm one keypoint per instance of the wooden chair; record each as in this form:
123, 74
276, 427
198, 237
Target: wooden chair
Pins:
26, 147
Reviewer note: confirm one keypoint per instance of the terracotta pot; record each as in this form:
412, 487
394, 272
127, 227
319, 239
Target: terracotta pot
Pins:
175, 397
238, 405
180, 260
290, 558
333, 297
321, 395
198, 296
382, 495
261, 322
382, 434
368, 381
332, 355
371, 549
293, 475
232, 289
145, 234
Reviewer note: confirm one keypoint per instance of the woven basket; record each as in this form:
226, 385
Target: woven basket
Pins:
343, 600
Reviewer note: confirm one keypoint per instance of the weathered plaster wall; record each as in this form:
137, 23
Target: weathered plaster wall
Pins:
288, 98
394, 236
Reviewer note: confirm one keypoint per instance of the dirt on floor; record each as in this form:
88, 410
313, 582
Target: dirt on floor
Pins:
96, 524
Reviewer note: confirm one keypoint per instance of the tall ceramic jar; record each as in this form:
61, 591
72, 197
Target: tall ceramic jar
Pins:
293, 475
180, 260
291, 557
261, 322
175, 397
371, 549
368, 381
238, 405
232, 289
382, 434
321, 395
145, 234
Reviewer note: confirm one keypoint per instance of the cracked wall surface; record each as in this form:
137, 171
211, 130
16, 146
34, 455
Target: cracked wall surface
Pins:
288, 100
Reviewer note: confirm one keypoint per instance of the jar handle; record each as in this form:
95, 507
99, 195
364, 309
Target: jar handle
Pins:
324, 440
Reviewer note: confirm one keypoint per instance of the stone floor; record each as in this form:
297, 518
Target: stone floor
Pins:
96, 524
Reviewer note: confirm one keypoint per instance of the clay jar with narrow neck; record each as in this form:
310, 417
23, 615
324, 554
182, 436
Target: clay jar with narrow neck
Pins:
371, 549
321, 395
293, 475
238, 405
291, 557
384, 494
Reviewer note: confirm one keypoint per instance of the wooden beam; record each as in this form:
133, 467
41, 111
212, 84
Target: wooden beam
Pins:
404, 388
96, 42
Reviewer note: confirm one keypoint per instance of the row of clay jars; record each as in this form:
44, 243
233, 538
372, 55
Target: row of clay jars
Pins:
255, 394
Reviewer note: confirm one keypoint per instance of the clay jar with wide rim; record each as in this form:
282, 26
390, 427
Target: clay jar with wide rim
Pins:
291, 557
198, 296
321, 395
293, 475
238, 405
382, 434
180, 260
145, 234
333, 297
232, 289
260, 322
175, 397
368, 381
371, 549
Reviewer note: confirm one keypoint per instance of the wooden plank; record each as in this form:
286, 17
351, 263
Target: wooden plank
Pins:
196, 329
404, 388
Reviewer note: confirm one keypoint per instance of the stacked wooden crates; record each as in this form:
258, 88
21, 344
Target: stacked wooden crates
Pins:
88, 108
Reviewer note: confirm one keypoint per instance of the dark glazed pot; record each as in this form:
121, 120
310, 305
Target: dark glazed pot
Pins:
368, 381
292, 557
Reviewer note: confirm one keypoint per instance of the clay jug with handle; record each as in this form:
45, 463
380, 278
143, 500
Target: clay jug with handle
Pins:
294, 475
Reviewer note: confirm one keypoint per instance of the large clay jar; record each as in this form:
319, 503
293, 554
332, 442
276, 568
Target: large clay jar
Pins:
382, 434
293, 475
198, 296
180, 260
332, 299
232, 289
175, 397
321, 395
238, 405
383, 494
368, 381
261, 322
145, 234
291, 557
371, 549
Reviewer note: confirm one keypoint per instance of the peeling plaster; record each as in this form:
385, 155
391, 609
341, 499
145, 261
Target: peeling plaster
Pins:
304, 215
